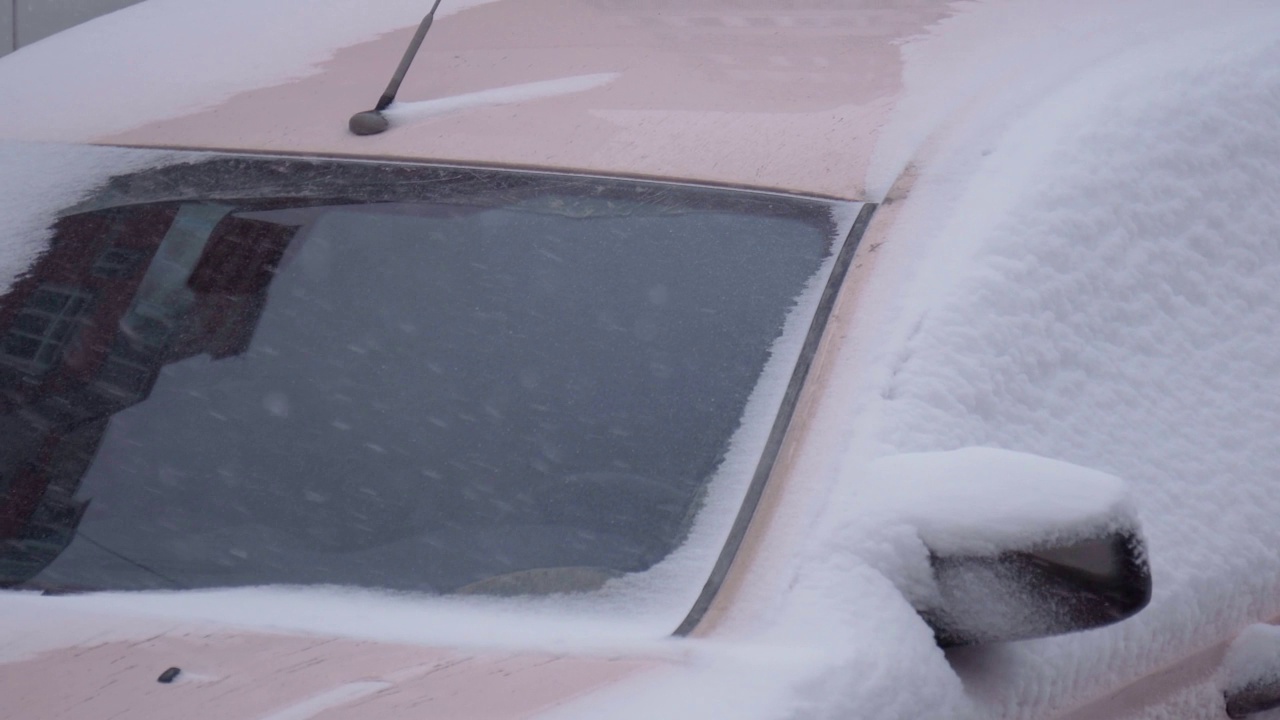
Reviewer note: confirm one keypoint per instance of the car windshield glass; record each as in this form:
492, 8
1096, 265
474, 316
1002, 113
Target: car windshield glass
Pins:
246, 371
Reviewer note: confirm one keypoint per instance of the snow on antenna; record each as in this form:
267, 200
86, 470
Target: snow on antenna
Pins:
372, 122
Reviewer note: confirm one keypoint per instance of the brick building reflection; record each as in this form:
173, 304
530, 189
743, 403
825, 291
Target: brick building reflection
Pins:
85, 333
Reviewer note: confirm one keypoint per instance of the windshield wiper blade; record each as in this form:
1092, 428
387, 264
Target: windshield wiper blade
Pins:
131, 561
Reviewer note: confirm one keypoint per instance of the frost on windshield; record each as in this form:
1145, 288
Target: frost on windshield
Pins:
485, 383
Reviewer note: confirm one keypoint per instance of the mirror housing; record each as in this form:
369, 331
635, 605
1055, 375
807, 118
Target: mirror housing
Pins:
1251, 672
1011, 545
1037, 592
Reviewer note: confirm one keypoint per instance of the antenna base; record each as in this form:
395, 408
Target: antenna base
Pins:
369, 122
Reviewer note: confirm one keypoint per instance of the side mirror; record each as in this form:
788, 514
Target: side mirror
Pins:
1040, 591
1019, 546
1251, 672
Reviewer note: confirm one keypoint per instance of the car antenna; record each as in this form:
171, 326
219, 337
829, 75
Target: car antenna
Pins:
372, 122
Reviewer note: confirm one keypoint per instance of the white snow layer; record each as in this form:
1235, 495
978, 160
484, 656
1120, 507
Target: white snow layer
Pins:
1087, 268
1119, 308
981, 501
402, 113
37, 181
1253, 659
231, 46
31, 623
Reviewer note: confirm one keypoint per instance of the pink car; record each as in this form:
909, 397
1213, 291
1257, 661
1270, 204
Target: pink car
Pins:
585, 375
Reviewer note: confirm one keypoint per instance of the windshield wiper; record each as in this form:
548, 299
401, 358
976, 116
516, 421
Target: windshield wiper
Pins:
57, 588
177, 585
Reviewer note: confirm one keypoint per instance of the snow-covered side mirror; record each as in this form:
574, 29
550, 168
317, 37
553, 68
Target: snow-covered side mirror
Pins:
1019, 546
1251, 672
1050, 589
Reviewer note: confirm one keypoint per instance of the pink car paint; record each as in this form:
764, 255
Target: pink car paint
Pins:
705, 90
231, 674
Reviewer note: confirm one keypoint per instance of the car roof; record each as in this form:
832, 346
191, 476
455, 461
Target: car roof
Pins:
758, 94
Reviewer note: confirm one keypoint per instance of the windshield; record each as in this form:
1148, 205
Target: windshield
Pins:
247, 371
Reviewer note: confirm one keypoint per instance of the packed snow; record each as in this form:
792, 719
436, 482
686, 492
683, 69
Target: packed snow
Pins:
981, 501
1093, 277
971, 503
1253, 660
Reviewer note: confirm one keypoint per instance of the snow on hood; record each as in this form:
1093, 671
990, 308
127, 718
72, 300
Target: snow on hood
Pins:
1102, 288
1253, 660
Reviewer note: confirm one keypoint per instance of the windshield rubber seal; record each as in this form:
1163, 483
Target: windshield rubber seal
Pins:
781, 424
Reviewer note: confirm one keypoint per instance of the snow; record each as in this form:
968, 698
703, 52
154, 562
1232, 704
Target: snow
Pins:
971, 502
227, 47
40, 180
1253, 660
336, 697
31, 625
569, 624
1092, 277
981, 501
407, 112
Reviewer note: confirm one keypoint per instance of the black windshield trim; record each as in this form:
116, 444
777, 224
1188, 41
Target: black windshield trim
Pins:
781, 424
501, 167
367, 181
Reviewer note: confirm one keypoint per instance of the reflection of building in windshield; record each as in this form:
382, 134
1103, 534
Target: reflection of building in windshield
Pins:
85, 333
